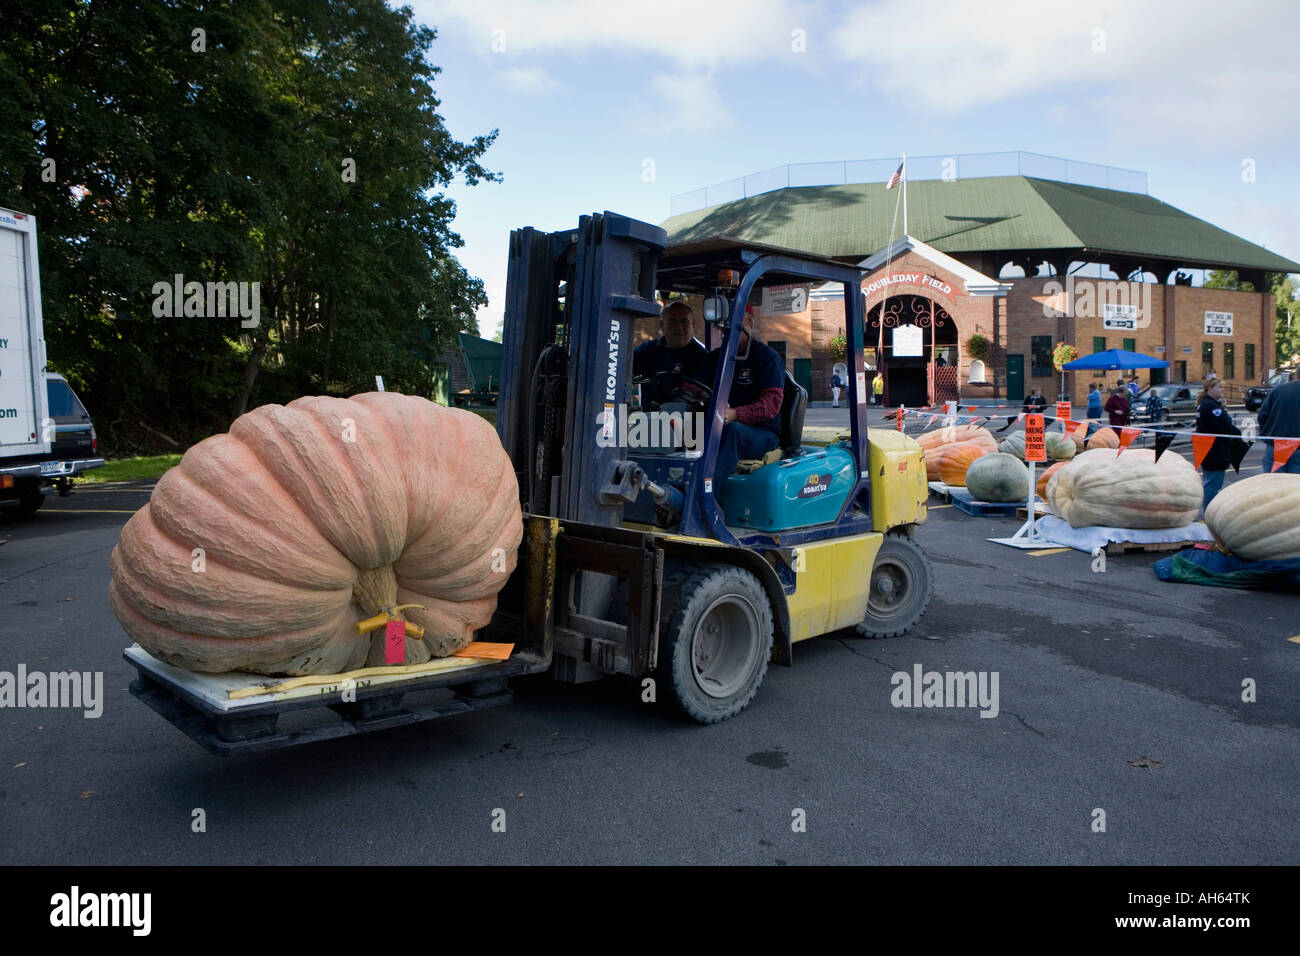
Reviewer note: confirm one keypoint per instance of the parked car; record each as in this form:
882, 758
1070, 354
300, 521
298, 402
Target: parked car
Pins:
74, 449
1256, 394
1158, 402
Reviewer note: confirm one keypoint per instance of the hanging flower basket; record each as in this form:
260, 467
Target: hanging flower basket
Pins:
1062, 354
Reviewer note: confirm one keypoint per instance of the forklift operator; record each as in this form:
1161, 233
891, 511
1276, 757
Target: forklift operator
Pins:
753, 419
675, 355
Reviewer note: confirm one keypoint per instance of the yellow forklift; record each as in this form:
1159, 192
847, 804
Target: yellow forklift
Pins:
816, 537
693, 601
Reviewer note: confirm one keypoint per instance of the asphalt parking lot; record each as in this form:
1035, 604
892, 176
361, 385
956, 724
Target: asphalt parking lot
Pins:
1117, 694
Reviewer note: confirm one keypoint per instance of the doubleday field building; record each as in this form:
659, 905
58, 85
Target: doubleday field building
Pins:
1026, 251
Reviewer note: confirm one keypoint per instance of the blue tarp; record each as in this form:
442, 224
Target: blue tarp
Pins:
1219, 570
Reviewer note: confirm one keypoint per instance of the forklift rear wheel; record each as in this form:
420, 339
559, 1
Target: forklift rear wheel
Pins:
716, 640
902, 585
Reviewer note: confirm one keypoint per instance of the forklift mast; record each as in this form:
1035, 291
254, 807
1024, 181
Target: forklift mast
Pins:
572, 299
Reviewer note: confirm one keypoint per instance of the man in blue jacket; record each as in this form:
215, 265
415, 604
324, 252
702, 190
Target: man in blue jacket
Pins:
676, 351
1279, 417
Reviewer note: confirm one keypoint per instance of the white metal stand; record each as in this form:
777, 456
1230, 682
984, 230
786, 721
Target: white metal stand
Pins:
1029, 537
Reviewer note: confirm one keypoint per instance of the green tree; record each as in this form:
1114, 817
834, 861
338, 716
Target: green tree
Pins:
216, 141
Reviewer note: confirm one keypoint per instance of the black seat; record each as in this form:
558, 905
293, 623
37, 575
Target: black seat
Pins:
793, 408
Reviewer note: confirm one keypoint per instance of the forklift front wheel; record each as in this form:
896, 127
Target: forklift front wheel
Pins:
716, 640
902, 585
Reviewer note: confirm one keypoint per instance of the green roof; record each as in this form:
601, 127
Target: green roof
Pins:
994, 214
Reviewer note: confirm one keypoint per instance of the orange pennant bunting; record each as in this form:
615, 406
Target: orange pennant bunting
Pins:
1082, 431
1283, 449
1126, 436
1201, 445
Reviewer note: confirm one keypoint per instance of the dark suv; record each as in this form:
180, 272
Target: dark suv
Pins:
1256, 394
74, 449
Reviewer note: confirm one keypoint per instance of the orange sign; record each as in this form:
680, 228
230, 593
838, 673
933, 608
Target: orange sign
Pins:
1035, 440
1062, 411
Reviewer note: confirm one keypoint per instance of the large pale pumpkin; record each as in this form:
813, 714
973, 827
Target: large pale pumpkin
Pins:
265, 546
953, 460
998, 477
1126, 490
933, 446
1258, 518
1059, 447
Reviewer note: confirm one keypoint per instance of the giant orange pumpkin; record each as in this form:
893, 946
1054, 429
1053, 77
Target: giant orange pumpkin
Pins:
1103, 438
1040, 486
934, 442
953, 460
265, 546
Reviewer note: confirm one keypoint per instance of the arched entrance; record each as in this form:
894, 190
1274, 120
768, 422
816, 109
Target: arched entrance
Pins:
912, 375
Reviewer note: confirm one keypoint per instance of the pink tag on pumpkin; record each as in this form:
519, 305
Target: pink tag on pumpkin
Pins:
395, 642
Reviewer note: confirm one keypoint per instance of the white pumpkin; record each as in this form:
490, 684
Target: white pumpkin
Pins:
1258, 518
1128, 490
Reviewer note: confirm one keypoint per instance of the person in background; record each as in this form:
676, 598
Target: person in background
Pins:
1035, 401
1213, 418
1133, 388
878, 388
1117, 407
1279, 417
1094, 400
836, 385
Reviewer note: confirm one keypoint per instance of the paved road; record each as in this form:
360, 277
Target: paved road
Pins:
1097, 671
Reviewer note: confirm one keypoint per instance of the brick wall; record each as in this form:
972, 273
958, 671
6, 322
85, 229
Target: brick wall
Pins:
1169, 319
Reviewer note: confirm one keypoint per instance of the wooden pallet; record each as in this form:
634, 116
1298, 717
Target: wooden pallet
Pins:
940, 489
1040, 509
1123, 547
961, 498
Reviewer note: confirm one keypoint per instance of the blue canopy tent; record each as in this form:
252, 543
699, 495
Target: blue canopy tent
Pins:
1114, 360
1111, 360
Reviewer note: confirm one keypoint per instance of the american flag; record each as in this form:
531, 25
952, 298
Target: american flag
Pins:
897, 178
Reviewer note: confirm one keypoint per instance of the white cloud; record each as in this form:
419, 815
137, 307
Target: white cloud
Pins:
1186, 67
528, 80
691, 104
692, 33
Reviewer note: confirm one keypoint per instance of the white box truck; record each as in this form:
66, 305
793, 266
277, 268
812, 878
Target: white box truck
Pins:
37, 446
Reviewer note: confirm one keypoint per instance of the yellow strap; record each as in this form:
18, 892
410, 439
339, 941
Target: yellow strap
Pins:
431, 666
392, 613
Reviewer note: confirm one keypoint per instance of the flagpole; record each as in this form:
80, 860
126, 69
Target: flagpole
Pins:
905, 194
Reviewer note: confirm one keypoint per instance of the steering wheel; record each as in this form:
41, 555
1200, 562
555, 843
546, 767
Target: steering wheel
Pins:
693, 392
680, 388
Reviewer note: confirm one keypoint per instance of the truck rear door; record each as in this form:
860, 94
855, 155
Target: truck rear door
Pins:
23, 402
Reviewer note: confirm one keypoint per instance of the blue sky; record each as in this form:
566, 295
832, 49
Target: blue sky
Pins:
592, 96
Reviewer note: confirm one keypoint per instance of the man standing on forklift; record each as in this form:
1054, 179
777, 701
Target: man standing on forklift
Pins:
676, 351
753, 416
